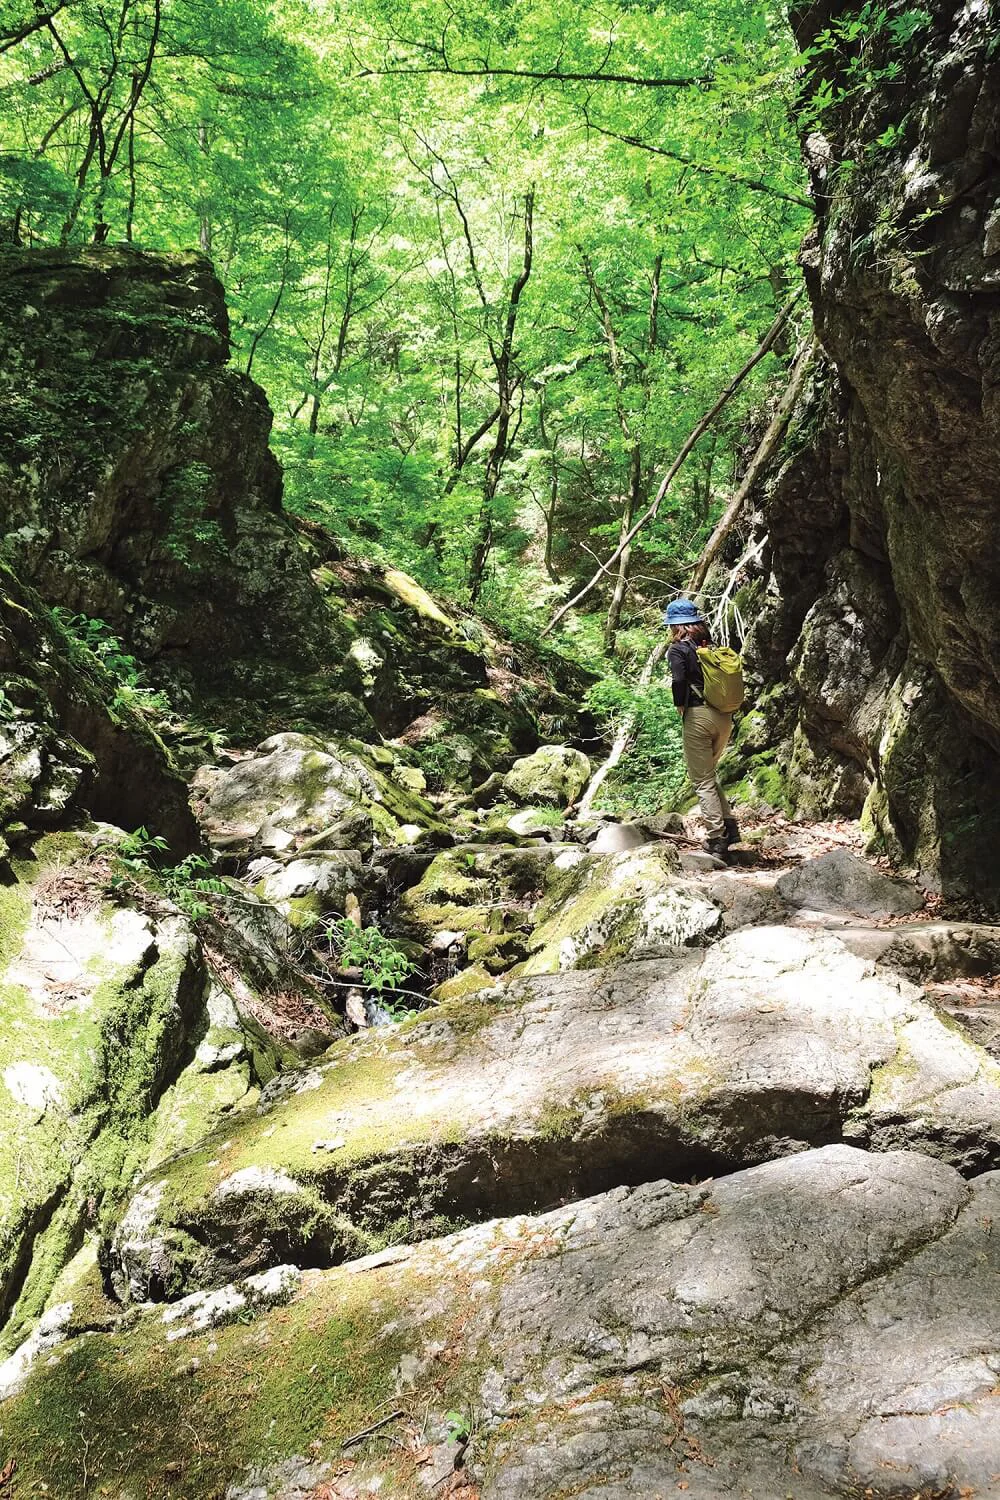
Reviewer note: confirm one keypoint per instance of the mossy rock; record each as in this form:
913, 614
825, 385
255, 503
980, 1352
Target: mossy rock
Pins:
99, 1003
297, 787
534, 1088
554, 775
474, 889
466, 982
613, 906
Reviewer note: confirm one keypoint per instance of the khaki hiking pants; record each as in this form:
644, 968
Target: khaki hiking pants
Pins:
706, 735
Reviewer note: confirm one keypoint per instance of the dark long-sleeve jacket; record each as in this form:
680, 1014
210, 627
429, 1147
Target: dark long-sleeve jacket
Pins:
687, 682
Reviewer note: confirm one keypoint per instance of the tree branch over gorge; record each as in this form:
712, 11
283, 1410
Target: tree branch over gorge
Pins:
753, 184
486, 69
776, 430
437, 59
697, 433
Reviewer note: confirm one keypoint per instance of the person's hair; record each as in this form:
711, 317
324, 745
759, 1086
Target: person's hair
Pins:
697, 632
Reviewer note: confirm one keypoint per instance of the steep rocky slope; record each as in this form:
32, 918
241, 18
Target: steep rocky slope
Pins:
882, 648
137, 488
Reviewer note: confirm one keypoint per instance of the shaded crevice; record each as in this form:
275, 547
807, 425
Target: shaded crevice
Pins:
420, 1194
38, 1222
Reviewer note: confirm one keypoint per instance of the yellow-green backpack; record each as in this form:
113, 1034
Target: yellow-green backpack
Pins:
722, 670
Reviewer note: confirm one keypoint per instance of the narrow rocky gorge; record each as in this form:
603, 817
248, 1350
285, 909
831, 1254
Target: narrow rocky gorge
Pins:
677, 1156
632, 1174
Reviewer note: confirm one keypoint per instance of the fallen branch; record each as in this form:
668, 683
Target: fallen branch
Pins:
357, 1437
693, 438
624, 736
768, 443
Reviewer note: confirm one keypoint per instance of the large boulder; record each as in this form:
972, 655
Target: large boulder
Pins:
840, 881
604, 908
295, 789
774, 1040
484, 893
554, 774
825, 1324
312, 886
140, 489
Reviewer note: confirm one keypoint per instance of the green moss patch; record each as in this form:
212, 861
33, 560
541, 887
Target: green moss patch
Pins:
129, 1412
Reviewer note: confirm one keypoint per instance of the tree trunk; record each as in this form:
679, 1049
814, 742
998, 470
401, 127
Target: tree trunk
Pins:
632, 502
769, 442
507, 383
205, 221
696, 433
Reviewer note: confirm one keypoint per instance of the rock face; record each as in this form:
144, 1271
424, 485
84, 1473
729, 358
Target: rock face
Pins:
137, 487
820, 1325
882, 523
92, 993
773, 1041
67, 740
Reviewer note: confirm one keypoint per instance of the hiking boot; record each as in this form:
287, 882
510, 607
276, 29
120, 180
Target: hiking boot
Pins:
718, 848
732, 833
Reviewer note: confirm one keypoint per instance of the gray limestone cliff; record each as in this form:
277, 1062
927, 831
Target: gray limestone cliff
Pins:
881, 636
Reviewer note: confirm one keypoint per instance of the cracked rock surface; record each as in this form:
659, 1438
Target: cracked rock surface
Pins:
822, 1324
774, 1040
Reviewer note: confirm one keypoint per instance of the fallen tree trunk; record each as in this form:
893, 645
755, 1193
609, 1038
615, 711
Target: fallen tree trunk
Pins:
769, 442
626, 730
693, 438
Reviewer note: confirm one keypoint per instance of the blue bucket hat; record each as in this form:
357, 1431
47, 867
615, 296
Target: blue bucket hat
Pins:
683, 612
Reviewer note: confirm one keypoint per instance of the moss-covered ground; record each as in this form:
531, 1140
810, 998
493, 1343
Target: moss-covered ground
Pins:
129, 1414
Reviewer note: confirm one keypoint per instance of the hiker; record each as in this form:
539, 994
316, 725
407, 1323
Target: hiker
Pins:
706, 729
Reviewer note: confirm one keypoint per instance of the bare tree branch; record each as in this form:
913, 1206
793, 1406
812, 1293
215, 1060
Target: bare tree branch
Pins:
772, 437
754, 184
697, 432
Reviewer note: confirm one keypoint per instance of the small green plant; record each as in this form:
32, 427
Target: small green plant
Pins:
193, 538
86, 633
137, 849
457, 1426
383, 963
137, 858
188, 881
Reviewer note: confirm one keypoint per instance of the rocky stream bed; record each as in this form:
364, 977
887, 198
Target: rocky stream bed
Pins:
685, 1184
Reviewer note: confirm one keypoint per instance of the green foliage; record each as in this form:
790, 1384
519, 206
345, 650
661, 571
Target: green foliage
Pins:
861, 52
136, 849
138, 859
457, 1426
192, 538
382, 962
187, 882
651, 776
95, 639
367, 213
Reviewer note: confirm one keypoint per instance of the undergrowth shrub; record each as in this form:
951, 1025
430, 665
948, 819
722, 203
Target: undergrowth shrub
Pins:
651, 776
